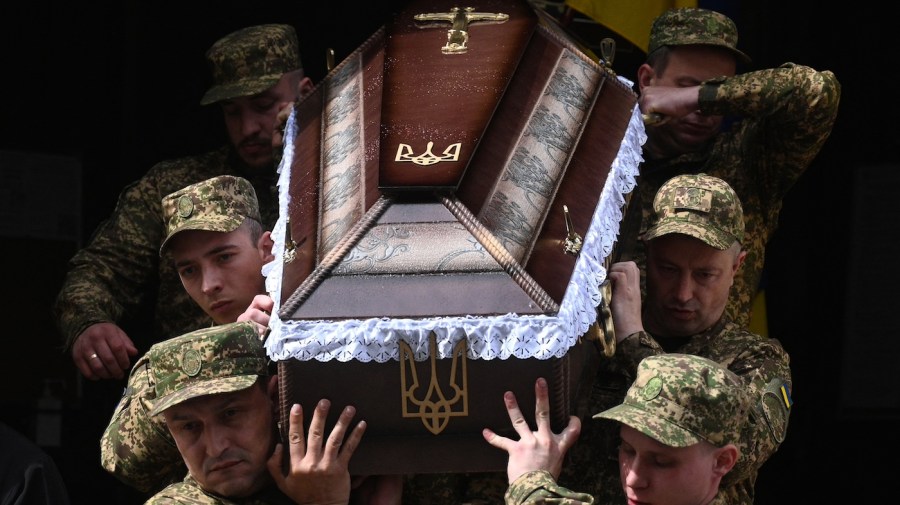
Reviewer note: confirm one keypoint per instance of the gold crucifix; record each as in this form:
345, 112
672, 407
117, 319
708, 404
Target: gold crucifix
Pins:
458, 35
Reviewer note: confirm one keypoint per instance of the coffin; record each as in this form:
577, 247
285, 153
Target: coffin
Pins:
449, 194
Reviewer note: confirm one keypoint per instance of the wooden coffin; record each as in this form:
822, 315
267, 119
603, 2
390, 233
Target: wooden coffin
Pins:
435, 192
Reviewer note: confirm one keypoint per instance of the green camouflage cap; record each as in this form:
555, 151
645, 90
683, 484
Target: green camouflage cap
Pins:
681, 399
689, 26
250, 61
220, 359
700, 206
218, 204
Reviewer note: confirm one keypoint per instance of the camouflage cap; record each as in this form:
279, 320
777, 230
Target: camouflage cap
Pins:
681, 399
220, 359
250, 61
218, 204
700, 206
690, 26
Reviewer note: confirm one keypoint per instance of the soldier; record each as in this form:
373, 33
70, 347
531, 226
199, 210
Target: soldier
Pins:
694, 251
256, 73
215, 241
679, 428
782, 117
216, 392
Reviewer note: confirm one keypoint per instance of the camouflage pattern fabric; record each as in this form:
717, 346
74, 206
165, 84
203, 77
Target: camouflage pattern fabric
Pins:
699, 206
120, 271
218, 204
681, 400
539, 488
188, 492
251, 60
788, 113
592, 464
689, 26
136, 447
221, 359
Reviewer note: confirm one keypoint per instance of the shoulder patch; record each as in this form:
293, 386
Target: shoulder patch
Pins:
776, 404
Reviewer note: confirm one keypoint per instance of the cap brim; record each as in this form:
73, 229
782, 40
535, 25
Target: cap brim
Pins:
203, 388
661, 430
707, 235
221, 224
239, 89
741, 56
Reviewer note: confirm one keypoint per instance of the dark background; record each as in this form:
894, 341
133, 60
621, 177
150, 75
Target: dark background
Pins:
95, 93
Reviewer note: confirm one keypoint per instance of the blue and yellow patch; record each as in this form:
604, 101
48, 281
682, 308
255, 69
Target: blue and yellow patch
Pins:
786, 395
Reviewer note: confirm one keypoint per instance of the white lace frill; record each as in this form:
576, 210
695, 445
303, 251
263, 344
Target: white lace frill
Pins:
505, 336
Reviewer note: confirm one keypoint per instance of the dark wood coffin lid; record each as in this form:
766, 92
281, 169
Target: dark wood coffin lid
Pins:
434, 99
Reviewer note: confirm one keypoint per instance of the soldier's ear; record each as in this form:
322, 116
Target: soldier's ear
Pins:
725, 459
264, 245
304, 87
739, 260
645, 76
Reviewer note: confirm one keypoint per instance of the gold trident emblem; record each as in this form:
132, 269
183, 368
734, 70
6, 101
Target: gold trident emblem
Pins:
405, 153
435, 409
458, 34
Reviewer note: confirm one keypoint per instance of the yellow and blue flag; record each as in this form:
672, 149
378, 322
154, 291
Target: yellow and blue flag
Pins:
629, 18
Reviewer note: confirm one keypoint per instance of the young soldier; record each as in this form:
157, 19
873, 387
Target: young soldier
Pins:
216, 243
679, 429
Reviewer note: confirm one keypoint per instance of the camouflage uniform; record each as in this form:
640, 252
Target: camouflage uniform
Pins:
119, 271
189, 492
221, 359
786, 114
676, 399
136, 447
705, 208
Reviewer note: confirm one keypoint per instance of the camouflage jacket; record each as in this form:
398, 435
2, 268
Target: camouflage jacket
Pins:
763, 364
536, 488
120, 270
784, 116
136, 447
188, 492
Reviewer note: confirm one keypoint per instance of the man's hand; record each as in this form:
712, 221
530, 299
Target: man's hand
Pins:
625, 305
670, 102
259, 311
535, 450
317, 474
103, 351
